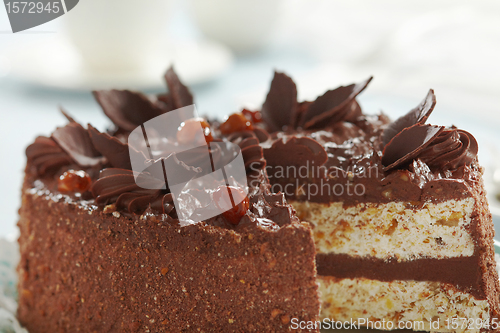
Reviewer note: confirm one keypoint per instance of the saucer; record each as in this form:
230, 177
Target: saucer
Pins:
54, 63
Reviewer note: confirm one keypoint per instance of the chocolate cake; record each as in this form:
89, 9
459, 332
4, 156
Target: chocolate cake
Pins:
101, 254
402, 228
397, 224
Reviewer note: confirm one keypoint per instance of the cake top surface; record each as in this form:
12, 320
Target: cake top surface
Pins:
330, 138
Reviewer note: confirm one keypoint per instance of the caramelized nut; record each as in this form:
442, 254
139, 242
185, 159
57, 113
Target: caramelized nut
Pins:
236, 122
189, 132
232, 212
74, 181
254, 116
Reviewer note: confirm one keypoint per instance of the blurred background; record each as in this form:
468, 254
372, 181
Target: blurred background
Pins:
227, 50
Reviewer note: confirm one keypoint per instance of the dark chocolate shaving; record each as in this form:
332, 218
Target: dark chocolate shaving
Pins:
296, 151
67, 116
408, 144
354, 112
46, 157
116, 152
75, 141
332, 106
179, 95
417, 115
127, 109
280, 106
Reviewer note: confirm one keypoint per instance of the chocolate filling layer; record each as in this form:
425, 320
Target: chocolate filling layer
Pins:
462, 272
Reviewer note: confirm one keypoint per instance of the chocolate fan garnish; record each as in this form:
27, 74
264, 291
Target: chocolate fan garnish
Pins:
296, 151
280, 106
417, 115
334, 105
179, 94
116, 152
408, 144
125, 108
75, 140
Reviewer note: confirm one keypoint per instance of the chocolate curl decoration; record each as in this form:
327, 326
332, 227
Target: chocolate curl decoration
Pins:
127, 109
418, 115
116, 152
118, 186
280, 107
296, 151
46, 156
179, 95
75, 140
408, 144
332, 106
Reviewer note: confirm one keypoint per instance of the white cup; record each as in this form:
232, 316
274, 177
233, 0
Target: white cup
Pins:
118, 35
242, 25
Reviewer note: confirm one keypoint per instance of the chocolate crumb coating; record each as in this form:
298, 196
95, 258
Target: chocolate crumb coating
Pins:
86, 270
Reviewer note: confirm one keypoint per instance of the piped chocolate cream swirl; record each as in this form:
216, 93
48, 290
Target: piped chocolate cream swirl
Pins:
451, 149
119, 187
251, 150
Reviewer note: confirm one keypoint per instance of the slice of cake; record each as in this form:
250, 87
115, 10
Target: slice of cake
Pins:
101, 254
398, 210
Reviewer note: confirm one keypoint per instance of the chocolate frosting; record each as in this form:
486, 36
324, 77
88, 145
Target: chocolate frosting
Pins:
463, 272
75, 141
295, 151
46, 157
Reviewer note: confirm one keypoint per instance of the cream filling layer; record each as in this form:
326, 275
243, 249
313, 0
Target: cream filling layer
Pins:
387, 230
428, 306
